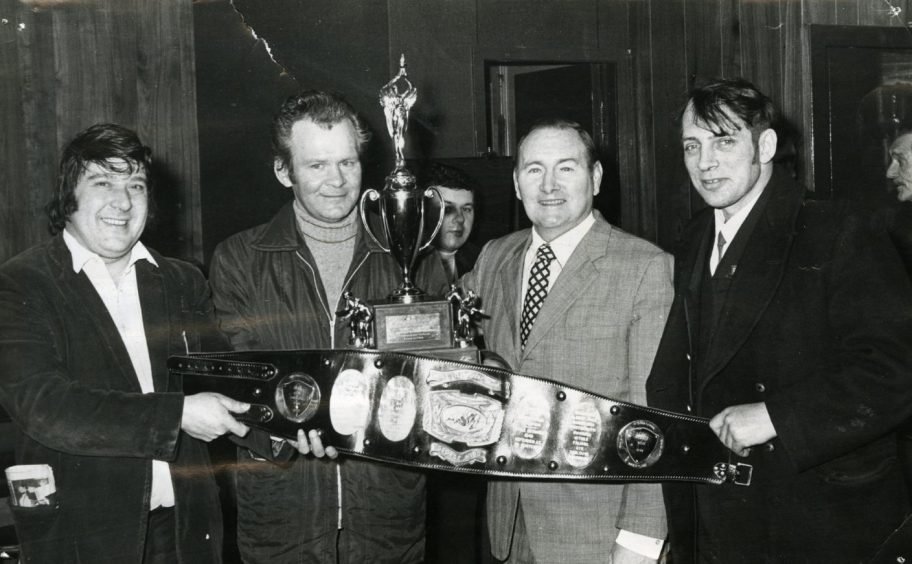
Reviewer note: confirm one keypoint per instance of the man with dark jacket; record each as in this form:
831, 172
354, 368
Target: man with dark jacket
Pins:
898, 218
791, 329
278, 286
452, 242
87, 321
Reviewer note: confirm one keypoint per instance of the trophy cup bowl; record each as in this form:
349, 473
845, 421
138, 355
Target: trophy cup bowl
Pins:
403, 219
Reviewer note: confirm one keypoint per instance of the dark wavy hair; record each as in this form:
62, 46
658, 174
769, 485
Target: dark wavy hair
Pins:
560, 123
323, 108
712, 101
439, 174
100, 144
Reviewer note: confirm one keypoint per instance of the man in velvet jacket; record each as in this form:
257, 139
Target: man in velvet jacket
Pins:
87, 322
791, 330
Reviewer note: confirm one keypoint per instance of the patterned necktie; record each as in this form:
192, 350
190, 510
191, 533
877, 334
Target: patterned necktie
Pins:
538, 289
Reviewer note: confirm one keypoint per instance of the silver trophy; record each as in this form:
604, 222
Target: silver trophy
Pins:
409, 319
403, 206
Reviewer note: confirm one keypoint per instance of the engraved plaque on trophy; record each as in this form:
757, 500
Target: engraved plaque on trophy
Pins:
409, 319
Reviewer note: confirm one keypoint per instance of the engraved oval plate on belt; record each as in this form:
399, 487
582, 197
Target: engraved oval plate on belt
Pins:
297, 397
640, 443
398, 408
530, 426
583, 435
350, 402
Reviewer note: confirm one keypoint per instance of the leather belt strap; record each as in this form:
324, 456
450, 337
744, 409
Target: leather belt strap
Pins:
450, 415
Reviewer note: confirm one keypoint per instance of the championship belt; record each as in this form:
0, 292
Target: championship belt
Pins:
456, 416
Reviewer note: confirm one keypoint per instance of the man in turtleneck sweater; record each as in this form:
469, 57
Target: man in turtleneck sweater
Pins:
332, 246
277, 286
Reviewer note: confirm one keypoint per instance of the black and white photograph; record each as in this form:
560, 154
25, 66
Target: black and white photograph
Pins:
456, 281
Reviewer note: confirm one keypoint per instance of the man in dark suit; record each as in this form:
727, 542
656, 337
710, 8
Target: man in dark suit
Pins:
579, 301
452, 242
87, 322
791, 329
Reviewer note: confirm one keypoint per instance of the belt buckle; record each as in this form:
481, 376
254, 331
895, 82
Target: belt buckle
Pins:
739, 474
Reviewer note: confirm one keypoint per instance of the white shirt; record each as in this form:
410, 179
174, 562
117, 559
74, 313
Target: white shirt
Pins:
563, 247
729, 228
121, 298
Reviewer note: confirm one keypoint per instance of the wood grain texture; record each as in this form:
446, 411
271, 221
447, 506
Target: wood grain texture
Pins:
439, 50
133, 61
13, 175
638, 207
537, 24
669, 91
79, 63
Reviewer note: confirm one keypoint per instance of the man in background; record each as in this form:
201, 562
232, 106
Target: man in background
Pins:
790, 330
87, 322
899, 219
452, 242
579, 301
279, 286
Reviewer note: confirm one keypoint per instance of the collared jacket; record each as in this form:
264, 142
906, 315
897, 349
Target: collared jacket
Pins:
67, 381
269, 295
816, 323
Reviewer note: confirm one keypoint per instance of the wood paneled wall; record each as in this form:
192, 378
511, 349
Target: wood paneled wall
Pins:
764, 41
662, 47
66, 64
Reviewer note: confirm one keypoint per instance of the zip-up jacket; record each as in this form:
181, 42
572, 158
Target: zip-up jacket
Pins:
269, 295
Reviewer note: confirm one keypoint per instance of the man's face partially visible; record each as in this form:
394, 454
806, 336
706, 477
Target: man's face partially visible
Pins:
725, 168
457, 223
900, 170
554, 182
112, 204
325, 171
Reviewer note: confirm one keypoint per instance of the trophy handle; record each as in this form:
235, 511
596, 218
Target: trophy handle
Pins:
362, 208
427, 194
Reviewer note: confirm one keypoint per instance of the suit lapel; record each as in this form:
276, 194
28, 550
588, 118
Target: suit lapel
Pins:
153, 300
575, 277
84, 299
759, 273
510, 287
694, 265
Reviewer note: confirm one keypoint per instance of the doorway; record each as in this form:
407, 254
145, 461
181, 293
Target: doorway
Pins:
519, 94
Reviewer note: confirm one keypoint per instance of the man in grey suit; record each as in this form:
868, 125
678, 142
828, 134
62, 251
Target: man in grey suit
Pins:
576, 300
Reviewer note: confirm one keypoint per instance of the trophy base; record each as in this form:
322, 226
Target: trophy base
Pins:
417, 326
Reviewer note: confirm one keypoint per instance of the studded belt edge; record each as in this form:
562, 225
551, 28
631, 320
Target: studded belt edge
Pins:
455, 416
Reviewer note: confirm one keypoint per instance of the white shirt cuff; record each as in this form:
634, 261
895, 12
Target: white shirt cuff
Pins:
641, 544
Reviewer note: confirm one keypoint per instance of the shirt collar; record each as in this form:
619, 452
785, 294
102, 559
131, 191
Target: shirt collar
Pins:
730, 228
82, 255
564, 245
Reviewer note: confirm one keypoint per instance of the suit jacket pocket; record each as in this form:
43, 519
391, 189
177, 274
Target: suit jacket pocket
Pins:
868, 464
590, 355
33, 523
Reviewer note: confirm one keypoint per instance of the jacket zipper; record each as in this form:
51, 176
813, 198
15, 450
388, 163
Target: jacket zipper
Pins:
332, 344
